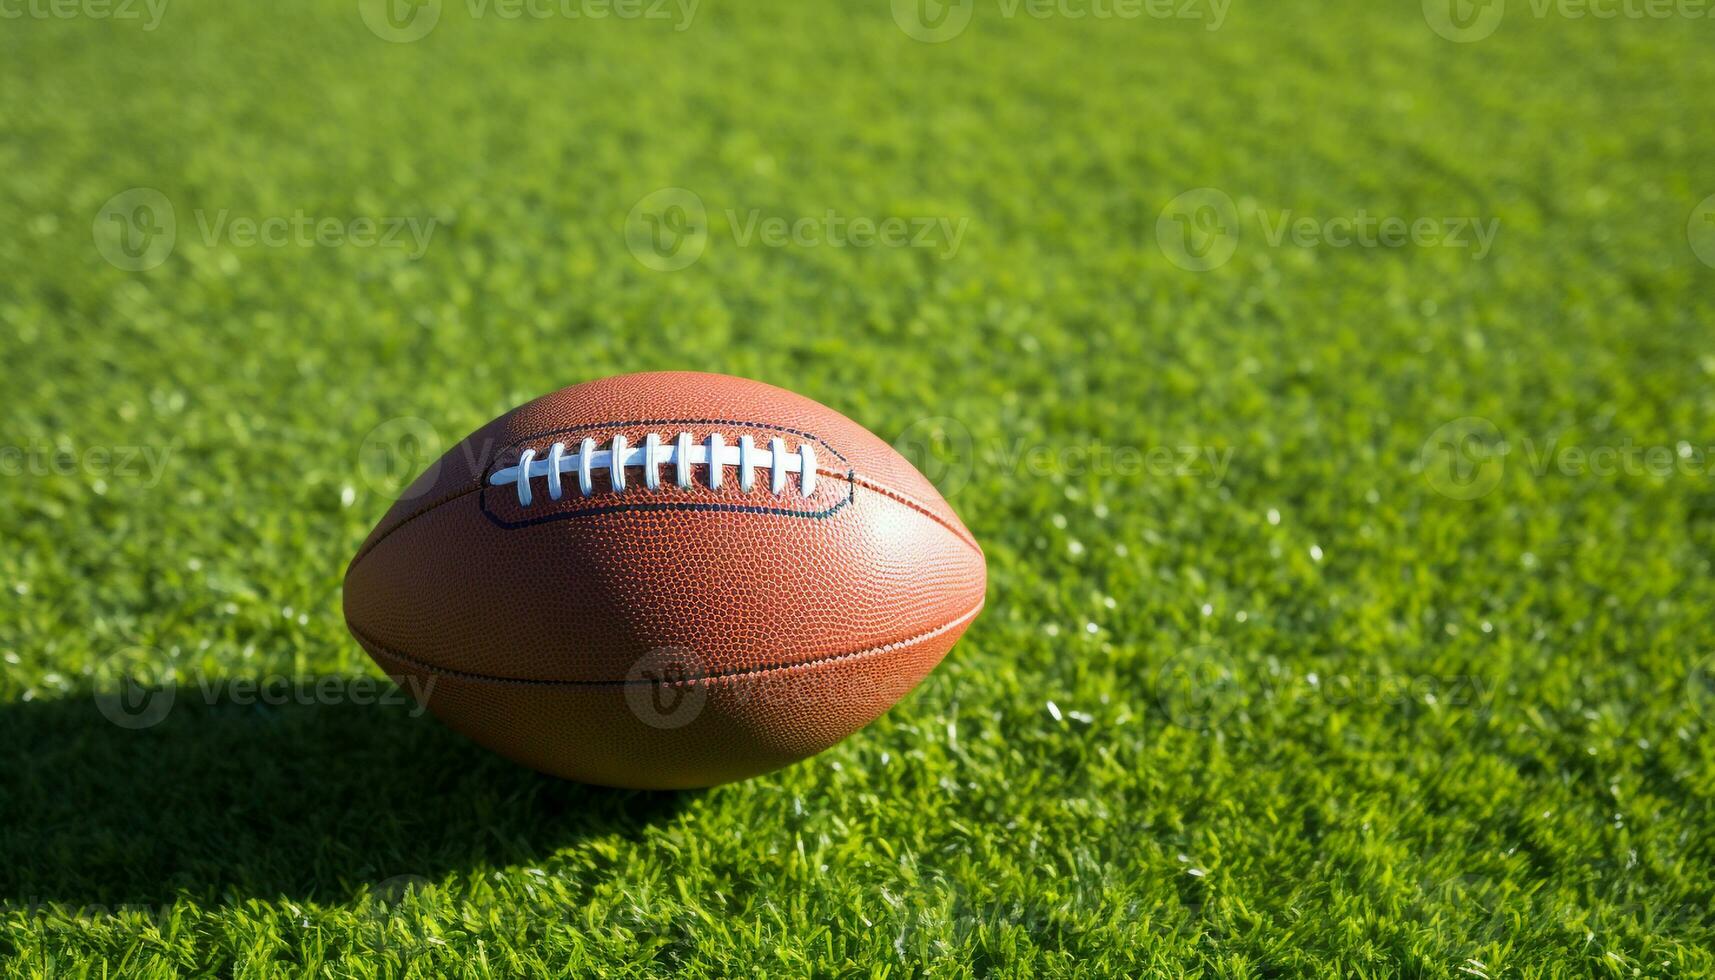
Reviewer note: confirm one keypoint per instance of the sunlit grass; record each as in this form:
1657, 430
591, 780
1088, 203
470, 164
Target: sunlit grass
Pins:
1344, 619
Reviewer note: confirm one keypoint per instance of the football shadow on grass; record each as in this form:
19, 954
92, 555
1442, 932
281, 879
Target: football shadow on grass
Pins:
285, 794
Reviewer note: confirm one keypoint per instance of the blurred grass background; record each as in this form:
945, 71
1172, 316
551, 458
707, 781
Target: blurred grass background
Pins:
1312, 714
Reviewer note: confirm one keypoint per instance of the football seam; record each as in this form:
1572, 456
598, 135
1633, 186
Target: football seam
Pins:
885, 491
899, 497
482, 477
737, 673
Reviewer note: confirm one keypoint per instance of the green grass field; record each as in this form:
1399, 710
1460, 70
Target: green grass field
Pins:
1332, 389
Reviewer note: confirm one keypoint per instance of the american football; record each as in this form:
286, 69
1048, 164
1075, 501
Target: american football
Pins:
665, 580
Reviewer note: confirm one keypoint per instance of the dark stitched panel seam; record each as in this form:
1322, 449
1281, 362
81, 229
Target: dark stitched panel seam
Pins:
735, 673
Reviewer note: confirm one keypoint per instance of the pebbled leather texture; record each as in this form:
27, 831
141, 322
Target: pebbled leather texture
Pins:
668, 637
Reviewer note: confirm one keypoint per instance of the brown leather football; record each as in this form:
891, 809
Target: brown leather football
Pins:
665, 580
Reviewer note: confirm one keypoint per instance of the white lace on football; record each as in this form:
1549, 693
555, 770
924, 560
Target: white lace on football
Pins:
683, 455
